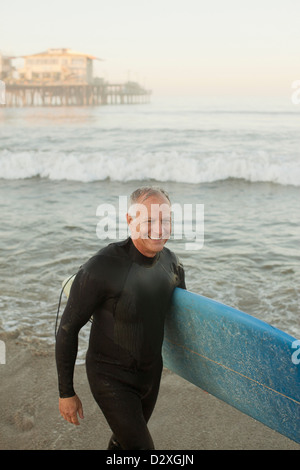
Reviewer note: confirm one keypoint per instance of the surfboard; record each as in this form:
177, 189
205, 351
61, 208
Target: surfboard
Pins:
237, 358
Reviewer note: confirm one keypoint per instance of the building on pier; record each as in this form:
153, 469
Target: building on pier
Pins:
6, 68
58, 65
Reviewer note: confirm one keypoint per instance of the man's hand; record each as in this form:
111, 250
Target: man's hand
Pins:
69, 407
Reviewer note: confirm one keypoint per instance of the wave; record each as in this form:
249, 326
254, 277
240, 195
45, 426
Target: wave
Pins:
161, 166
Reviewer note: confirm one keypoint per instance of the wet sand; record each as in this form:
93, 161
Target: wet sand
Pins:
185, 417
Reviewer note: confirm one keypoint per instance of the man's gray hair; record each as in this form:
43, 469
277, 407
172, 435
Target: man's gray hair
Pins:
141, 194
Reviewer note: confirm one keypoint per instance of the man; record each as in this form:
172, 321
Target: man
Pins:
127, 288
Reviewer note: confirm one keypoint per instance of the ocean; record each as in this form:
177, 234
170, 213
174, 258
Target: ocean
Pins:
240, 162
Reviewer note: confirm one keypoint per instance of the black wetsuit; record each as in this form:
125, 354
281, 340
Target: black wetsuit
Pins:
128, 295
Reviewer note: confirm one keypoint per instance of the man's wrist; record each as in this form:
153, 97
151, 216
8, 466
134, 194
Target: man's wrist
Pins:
67, 395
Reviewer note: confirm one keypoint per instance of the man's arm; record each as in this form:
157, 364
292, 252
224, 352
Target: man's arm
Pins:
84, 297
181, 275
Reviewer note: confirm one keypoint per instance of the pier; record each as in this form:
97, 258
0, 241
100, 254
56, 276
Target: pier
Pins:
63, 77
74, 94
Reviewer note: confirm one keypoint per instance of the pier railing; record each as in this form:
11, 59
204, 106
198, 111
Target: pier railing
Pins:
74, 94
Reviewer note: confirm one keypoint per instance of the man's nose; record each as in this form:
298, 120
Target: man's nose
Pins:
156, 229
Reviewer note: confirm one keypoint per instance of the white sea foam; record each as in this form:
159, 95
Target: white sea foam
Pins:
161, 166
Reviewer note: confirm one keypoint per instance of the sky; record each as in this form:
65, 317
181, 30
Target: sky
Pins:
174, 47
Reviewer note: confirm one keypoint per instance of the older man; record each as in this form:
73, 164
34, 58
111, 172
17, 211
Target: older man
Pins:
127, 288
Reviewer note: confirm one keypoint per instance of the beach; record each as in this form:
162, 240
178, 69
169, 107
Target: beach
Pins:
58, 166
185, 417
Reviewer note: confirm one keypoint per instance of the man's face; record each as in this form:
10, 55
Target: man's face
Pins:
151, 226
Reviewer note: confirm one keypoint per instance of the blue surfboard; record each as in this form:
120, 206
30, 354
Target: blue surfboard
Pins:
237, 358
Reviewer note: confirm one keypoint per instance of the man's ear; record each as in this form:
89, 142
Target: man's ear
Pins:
128, 218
